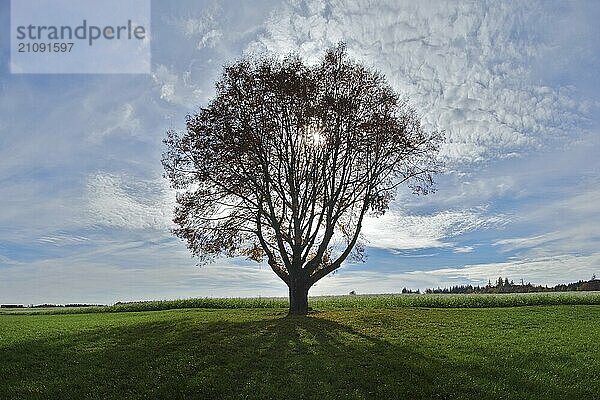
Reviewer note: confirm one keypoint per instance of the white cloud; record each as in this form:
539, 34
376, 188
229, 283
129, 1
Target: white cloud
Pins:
465, 66
204, 28
463, 249
395, 230
61, 239
122, 201
122, 119
526, 242
178, 89
210, 38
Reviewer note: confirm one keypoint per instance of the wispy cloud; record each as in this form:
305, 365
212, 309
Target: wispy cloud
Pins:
60, 239
396, 230
566, 225
122, 121
178, 89
205, 27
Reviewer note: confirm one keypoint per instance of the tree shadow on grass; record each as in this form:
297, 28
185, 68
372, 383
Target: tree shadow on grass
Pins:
278, 358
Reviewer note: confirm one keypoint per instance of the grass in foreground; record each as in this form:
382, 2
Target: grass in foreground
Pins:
545, 352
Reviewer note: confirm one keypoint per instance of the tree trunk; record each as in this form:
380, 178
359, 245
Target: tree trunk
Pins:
298, 298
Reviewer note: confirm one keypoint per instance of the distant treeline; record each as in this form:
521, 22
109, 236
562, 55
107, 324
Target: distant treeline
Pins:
506, 286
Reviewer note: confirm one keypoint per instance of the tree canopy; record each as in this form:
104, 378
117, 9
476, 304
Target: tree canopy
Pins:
286, 161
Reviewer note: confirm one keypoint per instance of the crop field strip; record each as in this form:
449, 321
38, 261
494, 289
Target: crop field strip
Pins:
343, 302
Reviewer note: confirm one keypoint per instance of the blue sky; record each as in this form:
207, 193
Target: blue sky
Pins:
85, 213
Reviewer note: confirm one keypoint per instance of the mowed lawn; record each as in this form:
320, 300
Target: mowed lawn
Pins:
538, 352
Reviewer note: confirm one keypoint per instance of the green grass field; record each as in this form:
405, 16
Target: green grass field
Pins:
342, 350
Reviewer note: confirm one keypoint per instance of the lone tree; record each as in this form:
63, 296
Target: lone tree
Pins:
288, 159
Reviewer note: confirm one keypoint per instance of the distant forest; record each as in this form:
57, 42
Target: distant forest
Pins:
503, 285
